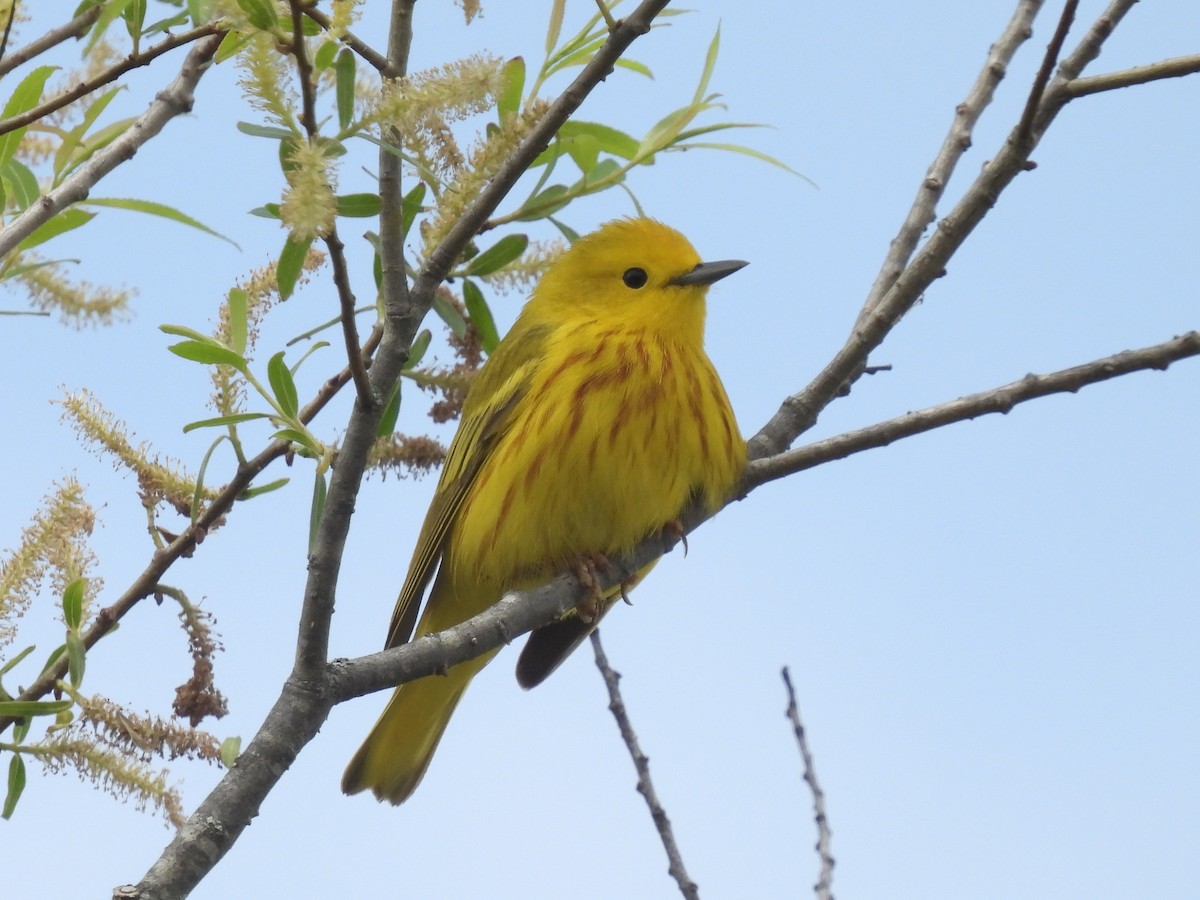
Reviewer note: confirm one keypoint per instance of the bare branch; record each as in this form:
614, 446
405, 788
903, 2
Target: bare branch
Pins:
1053, 49
997, 400
824, 886
76, 28
133, 61
333, 243
641, 762
1175, 67
957, 142
174, 100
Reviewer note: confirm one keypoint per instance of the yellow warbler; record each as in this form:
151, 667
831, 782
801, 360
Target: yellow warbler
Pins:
593, 424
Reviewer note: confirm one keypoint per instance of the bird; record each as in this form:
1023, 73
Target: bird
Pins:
596, 422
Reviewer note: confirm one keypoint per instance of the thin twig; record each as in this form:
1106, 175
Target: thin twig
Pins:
368, 53
923, 211
175, 100
641, 762
133, 61
824, 886
333, 243
997, 400
1176, 67
1038, 90
76, 28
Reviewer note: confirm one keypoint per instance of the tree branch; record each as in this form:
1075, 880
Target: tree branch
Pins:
616, 705
997, 400
133, 61
364, 50
174, 100
76, 28
1175, 67
1053, 49
824, 886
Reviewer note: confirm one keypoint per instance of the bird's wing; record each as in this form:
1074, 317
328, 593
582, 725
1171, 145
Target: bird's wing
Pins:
487, 415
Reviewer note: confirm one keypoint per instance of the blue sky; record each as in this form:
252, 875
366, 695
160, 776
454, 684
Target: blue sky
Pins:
992, 627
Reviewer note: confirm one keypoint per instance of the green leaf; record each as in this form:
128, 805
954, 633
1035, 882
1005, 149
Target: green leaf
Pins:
266, 211
746, 151
193, 334
555, 27
267, 131
391, 412
108, 15
481, 316
606, 172
68, 220
72, 603
358, 206
345, 88
569, 233
165, 25
261, 14
302, 440
235, 419
94, 142
212, 354
239, 303
22, 183
12, 663
512, 79
410, 207
499, 255
72, 138
154, 209
23, 708
23, 99
634, 66
543, 204
282, 384
710, 63
291, 264
231, 45
449, 314
608, 139
230, 748
316, 510
16, 784
135, 17
417, 351
325, 55
275, 485
76, 658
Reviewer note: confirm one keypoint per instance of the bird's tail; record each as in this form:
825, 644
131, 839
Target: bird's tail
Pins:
393, 759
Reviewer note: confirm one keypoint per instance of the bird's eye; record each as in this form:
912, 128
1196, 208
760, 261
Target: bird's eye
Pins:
635, 278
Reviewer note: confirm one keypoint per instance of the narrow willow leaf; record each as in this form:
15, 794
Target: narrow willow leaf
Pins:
266, 211
275, 485
450, 315
24, 708
555, 27
569, 233
191, 333
198, 490
316, 511
607, 171
231, 46
710, 63
239, 303
499, 255
303, 441
417, 351
282, 384
235, 419
261, 14
610, 140
108, 15
210, 354
410, 207
634, 66
12, 663
230, 748
76, 659
345, 88
291, 263
391, 412
22, 182
268, 131
24, 98
155, 209
68, 220
546, 203
481, 316
325, 55
135, 18
72, 603
508, 103
358, 206
16, 784
73, 137
746, 151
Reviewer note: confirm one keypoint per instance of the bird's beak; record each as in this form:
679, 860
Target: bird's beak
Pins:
707, 273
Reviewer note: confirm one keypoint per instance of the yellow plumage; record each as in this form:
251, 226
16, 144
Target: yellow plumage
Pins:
594, 423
